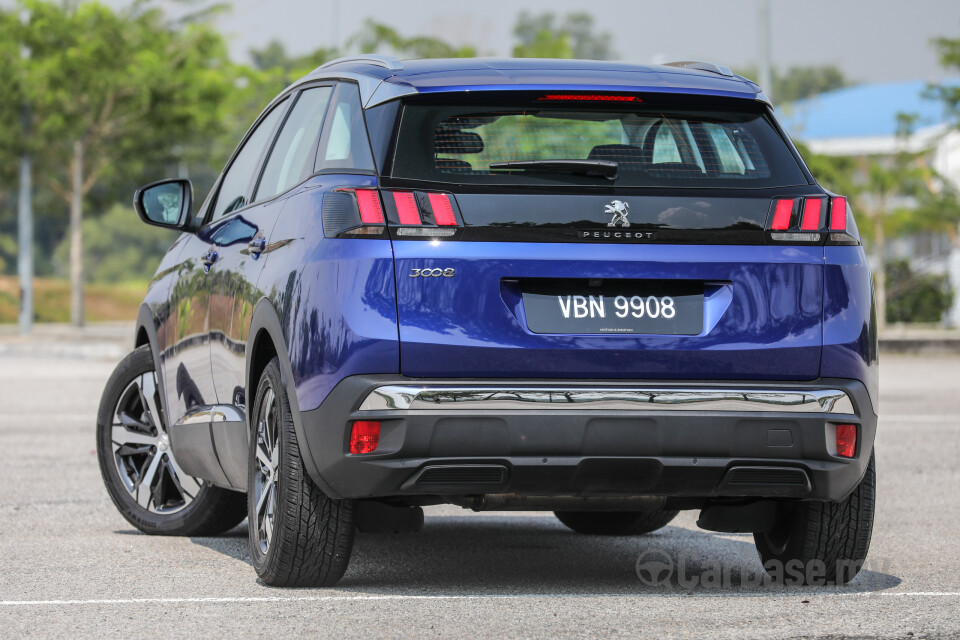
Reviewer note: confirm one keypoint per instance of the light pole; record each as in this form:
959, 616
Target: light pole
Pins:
25, 212
765, 61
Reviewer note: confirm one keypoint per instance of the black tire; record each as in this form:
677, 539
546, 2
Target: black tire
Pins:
818, 543
209, 511
311, 534
615, 523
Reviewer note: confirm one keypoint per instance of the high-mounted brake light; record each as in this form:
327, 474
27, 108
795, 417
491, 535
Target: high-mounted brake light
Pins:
595, 97
812, 219
846, 440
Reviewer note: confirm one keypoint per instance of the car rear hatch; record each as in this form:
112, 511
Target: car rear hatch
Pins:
648, 254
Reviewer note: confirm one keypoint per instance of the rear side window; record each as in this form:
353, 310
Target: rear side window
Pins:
237, 180
344, 144
292, 157
678, 146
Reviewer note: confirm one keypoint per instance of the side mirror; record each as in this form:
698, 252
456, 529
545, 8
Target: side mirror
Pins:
167, 203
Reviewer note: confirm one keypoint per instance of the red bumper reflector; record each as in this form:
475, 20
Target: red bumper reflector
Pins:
407, 207
442, 209
846, 440
838, 214
364, 436
811, 214
781, 215
370, 210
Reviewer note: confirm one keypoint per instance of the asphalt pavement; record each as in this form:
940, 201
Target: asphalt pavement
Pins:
71, 566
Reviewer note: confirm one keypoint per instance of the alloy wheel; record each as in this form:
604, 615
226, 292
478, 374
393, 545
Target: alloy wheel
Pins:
266, 470
142, 454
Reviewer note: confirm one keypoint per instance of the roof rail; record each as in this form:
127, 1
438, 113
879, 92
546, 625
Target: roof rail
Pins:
701, 66
387, 62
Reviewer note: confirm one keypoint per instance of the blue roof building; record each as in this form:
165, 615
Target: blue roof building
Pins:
862, 120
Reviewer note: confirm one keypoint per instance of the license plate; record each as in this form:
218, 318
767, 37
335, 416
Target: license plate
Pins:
620, 306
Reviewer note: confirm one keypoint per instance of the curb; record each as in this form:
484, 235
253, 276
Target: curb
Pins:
946, 345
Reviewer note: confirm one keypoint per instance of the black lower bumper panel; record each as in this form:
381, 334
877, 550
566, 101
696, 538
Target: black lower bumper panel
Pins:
447, 451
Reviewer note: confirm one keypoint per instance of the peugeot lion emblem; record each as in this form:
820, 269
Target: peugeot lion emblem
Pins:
619, 209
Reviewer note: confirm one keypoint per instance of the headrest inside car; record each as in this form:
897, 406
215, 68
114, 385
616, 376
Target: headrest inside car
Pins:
457, 141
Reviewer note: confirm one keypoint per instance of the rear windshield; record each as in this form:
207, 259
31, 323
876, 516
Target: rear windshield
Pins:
675, 146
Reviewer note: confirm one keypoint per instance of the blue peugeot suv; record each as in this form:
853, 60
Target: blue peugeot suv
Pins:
604, 290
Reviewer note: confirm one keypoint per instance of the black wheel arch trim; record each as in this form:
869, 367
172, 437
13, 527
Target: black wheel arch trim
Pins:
147, 325
266, 321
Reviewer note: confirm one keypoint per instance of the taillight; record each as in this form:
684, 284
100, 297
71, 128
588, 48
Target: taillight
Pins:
812, 220
442, 209
364, 436
407, 210
838, 214
421, 214
353, 212
370, 211
811, 214
846, 440
782, 214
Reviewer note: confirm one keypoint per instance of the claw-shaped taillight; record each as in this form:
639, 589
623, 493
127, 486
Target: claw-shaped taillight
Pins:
423, 214
812, 220
368, 211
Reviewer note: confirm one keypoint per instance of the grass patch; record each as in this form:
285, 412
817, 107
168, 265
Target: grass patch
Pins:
51, 300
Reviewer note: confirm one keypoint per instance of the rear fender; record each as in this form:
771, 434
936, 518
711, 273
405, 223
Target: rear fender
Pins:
265, 325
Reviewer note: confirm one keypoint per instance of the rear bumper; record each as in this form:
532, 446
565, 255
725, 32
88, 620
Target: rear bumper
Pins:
590, 438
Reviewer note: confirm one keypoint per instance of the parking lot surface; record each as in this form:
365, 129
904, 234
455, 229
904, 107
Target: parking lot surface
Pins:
71, 566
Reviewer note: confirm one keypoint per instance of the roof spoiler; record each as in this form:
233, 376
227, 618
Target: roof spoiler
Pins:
387, 62
719, 69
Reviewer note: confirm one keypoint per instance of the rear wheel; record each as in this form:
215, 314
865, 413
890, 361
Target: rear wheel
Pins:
817, 543
299, 537
139, 468
615, 523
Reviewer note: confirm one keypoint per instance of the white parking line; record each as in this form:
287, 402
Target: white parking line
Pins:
50, 417
251, 599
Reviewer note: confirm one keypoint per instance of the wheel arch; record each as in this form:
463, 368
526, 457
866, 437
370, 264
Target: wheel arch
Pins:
265, 340
146, 334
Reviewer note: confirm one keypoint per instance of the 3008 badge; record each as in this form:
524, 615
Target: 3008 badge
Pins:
432, 273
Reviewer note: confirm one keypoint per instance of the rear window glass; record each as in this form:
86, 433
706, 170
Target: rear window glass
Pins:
652, 145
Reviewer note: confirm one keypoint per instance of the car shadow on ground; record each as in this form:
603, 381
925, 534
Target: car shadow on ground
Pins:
529, 555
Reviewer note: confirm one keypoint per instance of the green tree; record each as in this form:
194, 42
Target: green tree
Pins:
883, 200
544, 36
119, 248
799, 82
916, 297
274, 56
948, 50
889, 195
11, 130
112, 91
374, 37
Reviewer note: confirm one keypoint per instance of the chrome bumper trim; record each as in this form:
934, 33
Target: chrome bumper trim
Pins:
403, 397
